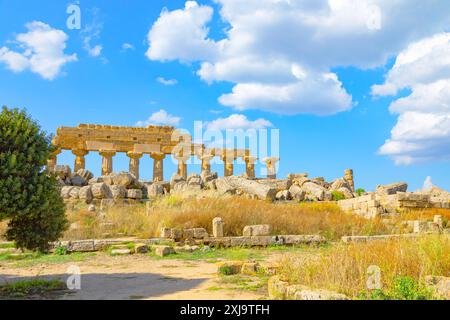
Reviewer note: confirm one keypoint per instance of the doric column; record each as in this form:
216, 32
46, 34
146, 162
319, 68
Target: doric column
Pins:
80, 162
349, 178
182, 166
228, 160
134, 163
206, 163
107, 164
250, 166
52, 161
158, 166
271, 163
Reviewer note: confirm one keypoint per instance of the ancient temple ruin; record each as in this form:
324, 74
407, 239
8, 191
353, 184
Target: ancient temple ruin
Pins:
155, 141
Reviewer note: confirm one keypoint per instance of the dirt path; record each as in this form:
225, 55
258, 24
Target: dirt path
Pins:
134, 277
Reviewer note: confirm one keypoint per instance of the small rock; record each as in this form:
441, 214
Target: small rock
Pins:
120, 252
249, 268
140, 248
91, 208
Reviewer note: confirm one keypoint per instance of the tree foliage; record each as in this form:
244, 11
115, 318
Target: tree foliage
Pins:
29, 197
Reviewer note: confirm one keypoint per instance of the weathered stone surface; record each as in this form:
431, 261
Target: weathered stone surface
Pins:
440, 286
85, 174
74, 193
63, 172
200, 233
314, 192
217, 227
251, 187
279, 184
124, 179
283, 195
175, 179
338, 184
95, 180
163, 251
140, 248
297, 193
91, 208
106, 204
85, 194
134, 193
194, 180
208, 176
277, 288
118, 191
82, 246
65, 192
391, 188
78, 180
256, 230
348, 194
176, 234
120, 252
223, 186
155, 190
100, 191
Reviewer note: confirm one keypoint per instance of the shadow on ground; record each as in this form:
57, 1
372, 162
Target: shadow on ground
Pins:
117, 286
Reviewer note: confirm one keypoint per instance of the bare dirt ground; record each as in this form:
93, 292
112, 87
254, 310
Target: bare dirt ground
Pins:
134, 277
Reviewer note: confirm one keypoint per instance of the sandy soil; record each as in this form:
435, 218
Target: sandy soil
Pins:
134, 277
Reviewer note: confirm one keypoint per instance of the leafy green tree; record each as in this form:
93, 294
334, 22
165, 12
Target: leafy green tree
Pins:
29, 197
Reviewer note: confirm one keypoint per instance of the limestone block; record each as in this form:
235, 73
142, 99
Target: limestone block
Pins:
277, 288
217, 227
256, 230
100, 191
420, 226
194, 180
279, 184
207, 177
283, 195
62, 171
120, 252
176, 234
348, 194
155, 190
134, 193
437, 219
85, 194
440, 285
175, 179
188, 234
249, 268
82, 246
314, 192
223, 186
306, 294
392, 188
140, 248
78, 180
163, 251
200, 233
65, 192
297, 193
229, 267
118, 191
95, 180
338, 184
124, 179
74, 193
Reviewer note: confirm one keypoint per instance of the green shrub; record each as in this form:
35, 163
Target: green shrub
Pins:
29, 197
337, 195
360, 192
61, 251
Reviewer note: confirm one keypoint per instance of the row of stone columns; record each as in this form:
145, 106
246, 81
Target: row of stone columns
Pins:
158, 163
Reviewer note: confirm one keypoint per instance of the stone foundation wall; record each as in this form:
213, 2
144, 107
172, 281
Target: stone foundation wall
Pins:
374, 204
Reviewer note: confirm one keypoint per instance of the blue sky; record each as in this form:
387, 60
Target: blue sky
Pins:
326, 124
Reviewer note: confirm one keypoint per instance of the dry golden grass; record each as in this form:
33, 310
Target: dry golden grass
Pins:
174, 212
344, 267
425, 214
3, 228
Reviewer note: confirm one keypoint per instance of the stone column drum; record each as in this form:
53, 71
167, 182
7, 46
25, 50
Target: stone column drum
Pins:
80, 162
228, 164
53, 160
182, 166
206, 163
134, 163
271, 163
250, 166
349, 178
107, 164
217, 227
158, 166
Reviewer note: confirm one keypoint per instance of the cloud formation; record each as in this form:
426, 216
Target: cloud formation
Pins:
42, 51
280, 53
160, 117
422, 132
167, 82
237, 121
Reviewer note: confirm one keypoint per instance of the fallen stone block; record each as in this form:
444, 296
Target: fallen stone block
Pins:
256, 230
249, 268
140, 248
392, 188
440, 286
120, 252
163, 251
217, 227
229, 267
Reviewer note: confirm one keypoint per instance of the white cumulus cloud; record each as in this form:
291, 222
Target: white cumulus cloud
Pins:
160, 117
42, 51
237, 121
280, 54
422, 131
